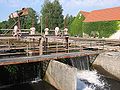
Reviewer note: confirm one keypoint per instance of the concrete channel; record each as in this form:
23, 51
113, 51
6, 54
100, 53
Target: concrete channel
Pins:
108, 63
61, 76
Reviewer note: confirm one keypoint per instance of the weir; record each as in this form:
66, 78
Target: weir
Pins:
36, 55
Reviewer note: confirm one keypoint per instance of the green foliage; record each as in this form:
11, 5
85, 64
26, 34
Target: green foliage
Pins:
26, 21
52, 14
30, 20
11, 69
105, 29
76, 26
4, 24
69, 20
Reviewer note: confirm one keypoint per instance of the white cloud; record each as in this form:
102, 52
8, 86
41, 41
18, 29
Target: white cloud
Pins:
90, 3
74, 6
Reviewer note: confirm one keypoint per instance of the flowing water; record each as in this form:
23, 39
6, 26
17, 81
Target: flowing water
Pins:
91, 80
86, 79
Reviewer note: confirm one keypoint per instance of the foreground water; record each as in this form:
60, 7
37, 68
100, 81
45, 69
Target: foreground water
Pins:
86, 80
91, 80
41, 85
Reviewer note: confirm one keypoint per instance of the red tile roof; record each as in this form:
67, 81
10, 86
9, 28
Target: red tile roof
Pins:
84, 13
109, 14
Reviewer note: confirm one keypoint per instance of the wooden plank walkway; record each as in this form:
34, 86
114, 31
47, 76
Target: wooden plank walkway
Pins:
57, 56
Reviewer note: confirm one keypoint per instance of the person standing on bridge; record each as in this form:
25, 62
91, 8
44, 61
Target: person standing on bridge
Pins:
46, 31
16, 31
32, 31
56, 31
66, 31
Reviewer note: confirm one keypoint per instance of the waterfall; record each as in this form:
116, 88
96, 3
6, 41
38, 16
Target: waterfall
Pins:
81, 63
87, 79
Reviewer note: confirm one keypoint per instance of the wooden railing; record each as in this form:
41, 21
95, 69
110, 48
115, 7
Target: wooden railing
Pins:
39, 45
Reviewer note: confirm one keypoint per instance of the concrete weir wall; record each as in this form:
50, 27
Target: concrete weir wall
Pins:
109, 62
61, 76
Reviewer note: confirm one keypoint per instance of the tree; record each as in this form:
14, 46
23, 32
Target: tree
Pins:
52, 14
76, 26
30, 20
26, 21
3, 25
68, 20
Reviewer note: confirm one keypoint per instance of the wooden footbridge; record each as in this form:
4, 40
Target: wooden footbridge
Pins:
36, 48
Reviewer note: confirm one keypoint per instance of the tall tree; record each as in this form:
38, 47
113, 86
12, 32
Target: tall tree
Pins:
30, 20
68, 21
52, 14
3, 25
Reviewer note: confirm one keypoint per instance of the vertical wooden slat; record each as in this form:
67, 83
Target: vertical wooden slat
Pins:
40, 46
67, 44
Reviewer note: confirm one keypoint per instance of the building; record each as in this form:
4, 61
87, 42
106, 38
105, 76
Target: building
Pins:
106, 22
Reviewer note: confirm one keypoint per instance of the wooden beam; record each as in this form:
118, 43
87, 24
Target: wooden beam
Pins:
21, 60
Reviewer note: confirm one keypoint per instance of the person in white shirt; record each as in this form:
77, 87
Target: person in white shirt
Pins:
56, 31
32, 31
46, 31
66, 31
15, 31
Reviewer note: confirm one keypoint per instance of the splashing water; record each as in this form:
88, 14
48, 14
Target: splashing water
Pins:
90, 80
36, 80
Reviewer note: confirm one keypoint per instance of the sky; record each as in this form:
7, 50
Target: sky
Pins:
71, 7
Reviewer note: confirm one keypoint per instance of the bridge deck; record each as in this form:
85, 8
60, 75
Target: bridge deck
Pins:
21, 60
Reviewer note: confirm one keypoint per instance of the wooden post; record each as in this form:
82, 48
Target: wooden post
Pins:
9, 43
40, 46
27, 50
67, 44
57, 47
33, 44
45, 45
29, 43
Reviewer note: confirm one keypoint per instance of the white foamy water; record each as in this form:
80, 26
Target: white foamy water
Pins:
89, 80
36, 80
